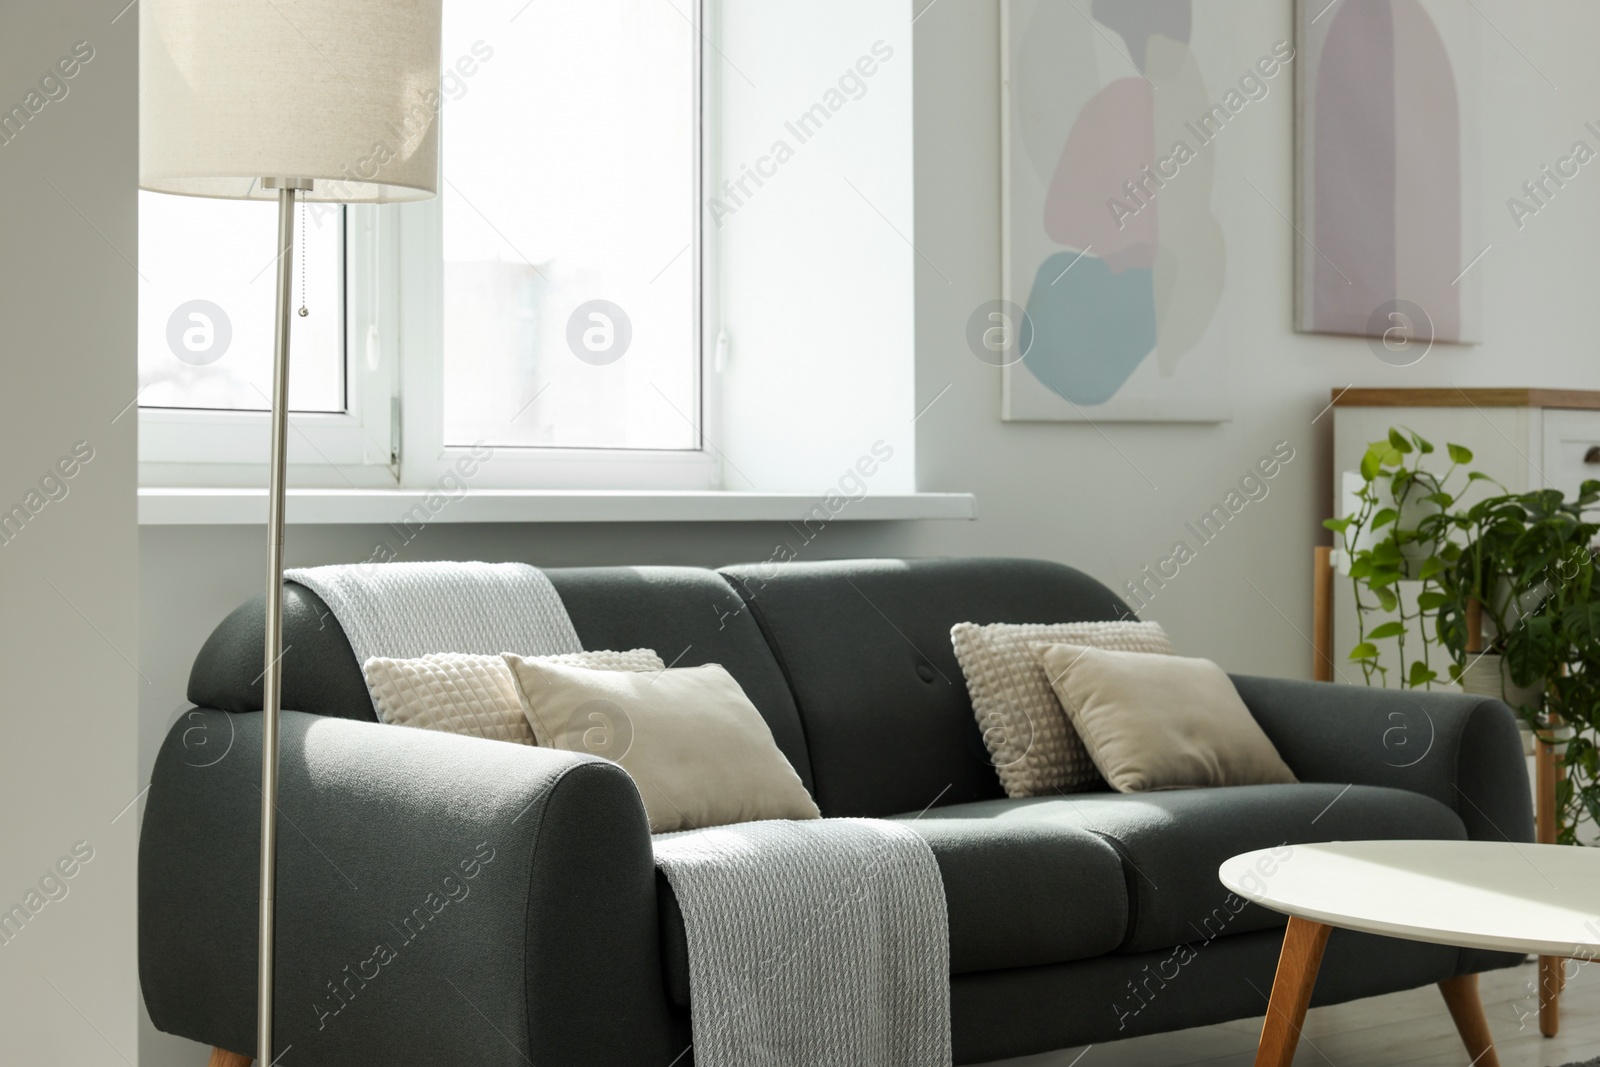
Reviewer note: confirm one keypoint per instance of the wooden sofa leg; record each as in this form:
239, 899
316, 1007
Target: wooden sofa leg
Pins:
224, 1058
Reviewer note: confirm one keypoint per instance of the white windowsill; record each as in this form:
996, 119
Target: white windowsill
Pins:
248, 507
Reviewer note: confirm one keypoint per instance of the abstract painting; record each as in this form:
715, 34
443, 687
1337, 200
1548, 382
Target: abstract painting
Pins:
1388, 169
1114, 130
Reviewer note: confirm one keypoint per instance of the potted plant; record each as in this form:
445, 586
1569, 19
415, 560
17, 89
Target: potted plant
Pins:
1528, 570
1500, 594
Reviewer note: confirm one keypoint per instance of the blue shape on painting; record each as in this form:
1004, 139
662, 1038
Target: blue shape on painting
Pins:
1091, 327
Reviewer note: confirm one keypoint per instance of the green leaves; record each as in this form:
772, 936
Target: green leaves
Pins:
1387, 630
1366, 650
1386, 551
1458, 455
1384, 456
1371, 463
1420, 675
1582, 623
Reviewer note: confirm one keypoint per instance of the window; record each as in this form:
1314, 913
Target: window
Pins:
570, 207
546, 304
205, 310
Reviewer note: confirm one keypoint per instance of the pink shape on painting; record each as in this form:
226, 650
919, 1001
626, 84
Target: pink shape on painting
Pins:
1111, 143
1355, 169
1428, 251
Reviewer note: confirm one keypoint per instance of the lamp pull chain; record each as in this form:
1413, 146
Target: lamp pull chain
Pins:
304, 311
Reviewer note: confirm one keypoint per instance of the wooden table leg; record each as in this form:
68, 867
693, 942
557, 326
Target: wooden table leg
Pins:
224, 1058
1303, 943
1547, 768
1461, 996
1550, 983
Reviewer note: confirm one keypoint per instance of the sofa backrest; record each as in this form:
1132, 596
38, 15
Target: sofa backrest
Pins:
865, 646
320, 673
849, 662
688, 615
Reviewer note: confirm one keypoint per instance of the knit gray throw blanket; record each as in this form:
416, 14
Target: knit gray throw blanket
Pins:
406, 610
818, 942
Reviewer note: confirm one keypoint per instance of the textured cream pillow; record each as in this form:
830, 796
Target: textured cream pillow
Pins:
1161, 722
699, 751
1031, 744
461, 693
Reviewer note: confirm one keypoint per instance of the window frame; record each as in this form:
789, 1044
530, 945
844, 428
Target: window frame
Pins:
212, 446
391, 434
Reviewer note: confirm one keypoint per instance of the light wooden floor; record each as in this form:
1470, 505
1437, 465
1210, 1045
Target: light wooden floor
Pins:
1410, 1029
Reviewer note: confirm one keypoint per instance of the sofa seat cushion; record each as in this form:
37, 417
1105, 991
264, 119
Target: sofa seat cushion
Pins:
1023, 892
1171, 843
1018, 893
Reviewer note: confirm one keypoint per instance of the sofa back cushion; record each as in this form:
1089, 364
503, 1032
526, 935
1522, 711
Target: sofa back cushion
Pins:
865, 646
690, 617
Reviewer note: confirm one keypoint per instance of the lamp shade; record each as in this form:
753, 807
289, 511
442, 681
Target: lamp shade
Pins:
342, 92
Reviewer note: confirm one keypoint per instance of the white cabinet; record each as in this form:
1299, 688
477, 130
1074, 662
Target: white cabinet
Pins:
1571, 452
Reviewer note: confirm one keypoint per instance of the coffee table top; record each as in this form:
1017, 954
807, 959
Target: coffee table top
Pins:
1541, 899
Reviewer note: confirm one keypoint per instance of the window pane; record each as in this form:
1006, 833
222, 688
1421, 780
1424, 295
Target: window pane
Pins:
206, 303
570, 215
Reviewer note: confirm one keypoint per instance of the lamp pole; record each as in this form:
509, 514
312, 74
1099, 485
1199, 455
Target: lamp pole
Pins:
272, 689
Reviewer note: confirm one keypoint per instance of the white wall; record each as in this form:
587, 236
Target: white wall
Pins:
68, 580
1064, 492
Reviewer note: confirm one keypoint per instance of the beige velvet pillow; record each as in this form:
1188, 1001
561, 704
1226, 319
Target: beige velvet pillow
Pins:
1161, 722
461, 693
699, 751
1033, 747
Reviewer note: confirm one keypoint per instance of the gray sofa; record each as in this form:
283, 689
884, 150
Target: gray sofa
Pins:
447, 900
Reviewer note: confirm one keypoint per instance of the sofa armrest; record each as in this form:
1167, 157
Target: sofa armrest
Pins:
1462, 750
440, 899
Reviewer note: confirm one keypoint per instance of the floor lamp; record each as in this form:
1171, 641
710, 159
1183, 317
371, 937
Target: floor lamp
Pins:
332, 101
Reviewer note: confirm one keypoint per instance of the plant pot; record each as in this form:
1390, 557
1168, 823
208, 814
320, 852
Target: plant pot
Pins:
1412, 513
1486, 675
1501, 603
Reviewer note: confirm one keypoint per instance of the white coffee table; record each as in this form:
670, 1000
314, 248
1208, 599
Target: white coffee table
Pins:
1541, 899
